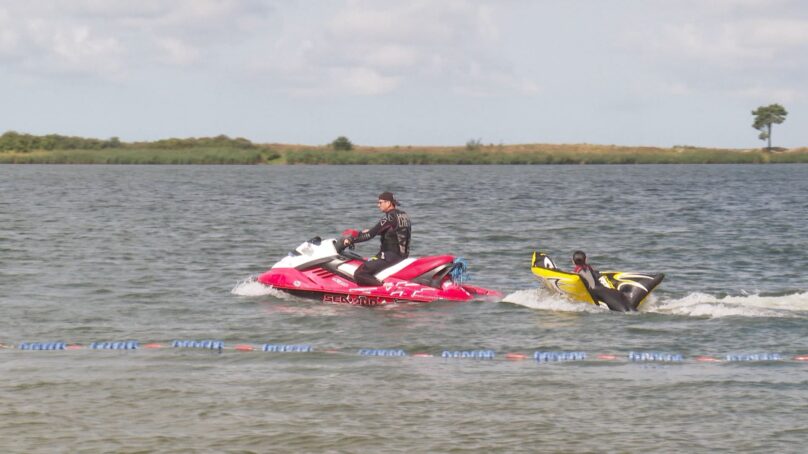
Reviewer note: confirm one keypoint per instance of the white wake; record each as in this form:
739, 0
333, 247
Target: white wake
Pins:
704, 305
694, 304
251, 287
539, 298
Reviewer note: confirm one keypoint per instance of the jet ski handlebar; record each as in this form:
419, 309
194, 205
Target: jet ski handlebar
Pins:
347, 234
341, 246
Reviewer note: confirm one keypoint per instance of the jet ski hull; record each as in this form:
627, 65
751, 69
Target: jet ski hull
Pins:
331, 288
315, 270
618, 291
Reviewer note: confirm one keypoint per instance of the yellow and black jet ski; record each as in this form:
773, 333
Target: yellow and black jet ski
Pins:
618, 291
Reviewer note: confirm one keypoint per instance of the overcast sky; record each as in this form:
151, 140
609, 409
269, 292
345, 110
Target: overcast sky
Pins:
440, 72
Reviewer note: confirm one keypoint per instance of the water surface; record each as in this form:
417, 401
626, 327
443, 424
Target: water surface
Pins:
157, 253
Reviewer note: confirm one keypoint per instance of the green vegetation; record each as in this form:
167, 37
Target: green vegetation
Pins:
14, 141
765, 117
53, 149
16, 148
142, 156
221, 141
542, 154
342, 143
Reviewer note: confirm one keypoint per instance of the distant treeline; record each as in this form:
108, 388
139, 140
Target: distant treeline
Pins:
544, 154
220, 141
15, 141
17, 148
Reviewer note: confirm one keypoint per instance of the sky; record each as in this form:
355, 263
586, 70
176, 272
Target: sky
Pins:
384, 73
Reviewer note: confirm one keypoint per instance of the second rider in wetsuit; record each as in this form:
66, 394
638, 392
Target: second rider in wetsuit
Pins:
394, 229
583, 269
613, 298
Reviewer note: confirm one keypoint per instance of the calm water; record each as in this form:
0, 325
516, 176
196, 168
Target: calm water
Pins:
98, 253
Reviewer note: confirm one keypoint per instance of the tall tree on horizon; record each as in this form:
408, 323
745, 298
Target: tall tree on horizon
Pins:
765, 117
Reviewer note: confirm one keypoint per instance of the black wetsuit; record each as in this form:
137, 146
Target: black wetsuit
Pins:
394, 229
614, 299
590, 275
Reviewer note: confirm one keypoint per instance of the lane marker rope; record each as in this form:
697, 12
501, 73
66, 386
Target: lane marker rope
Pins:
540, 356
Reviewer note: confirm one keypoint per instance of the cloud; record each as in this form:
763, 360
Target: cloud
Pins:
365, 81
100, 38
744, 49
176, 52
373, 48
739, 44
758, 93
45, 46
355, 47
734, 34
8, 36
779, 34
78, 47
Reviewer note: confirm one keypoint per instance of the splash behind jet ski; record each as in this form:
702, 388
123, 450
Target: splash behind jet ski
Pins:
618, 291
323, 270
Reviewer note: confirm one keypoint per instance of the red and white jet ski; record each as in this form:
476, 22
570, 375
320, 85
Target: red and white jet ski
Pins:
323, 270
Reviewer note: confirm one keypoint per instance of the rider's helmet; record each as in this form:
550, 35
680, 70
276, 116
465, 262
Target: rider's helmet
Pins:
579, 257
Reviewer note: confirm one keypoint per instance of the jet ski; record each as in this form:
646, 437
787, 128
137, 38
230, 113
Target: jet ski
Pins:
617, 291
323, 269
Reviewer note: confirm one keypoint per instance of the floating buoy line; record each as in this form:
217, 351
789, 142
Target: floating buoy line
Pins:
540, 356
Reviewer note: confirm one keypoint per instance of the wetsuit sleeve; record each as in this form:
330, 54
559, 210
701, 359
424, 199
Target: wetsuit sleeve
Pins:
588, 277
384, 224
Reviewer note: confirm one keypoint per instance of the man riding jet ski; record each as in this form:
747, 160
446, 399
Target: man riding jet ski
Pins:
618, 291
325, 270
394, 229
322, 269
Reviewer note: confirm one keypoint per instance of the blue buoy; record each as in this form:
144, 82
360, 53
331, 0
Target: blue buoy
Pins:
116, 345
208, 344
550, 356
287, 348
755, 357
469, 354
42, 346
655, 356
381, 352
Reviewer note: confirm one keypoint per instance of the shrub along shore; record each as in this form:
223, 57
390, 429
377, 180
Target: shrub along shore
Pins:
18, 148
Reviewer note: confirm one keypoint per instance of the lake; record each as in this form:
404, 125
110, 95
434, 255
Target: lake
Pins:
156, 254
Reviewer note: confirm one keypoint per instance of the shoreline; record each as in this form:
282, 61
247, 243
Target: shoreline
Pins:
16, 148
497, 155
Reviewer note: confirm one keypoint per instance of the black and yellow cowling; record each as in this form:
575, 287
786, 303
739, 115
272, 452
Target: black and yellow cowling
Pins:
619, 291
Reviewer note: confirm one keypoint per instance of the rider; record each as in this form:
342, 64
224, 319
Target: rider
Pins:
613, 298
394, 229
583, 269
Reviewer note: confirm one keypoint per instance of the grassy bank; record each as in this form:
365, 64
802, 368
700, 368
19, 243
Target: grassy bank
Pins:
142, 156
18, 148
543, 154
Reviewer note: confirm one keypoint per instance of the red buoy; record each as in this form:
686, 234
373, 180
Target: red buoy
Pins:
515, 356
707, 359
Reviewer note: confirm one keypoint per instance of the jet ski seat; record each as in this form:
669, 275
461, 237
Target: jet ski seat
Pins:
411, 268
